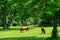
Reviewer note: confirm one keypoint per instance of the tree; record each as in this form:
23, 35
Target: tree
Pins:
7, 9
55, 18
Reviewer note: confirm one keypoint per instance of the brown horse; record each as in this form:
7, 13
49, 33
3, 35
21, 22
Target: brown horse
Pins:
24, 28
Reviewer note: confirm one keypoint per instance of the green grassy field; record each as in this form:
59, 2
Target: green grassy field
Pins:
34, 33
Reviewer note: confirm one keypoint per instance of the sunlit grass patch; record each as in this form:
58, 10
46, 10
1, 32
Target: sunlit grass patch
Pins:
35, 31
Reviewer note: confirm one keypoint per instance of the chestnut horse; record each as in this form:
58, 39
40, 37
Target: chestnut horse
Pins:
24, 28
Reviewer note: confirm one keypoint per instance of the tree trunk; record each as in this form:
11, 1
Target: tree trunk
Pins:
54, 32
3, 10
4, 22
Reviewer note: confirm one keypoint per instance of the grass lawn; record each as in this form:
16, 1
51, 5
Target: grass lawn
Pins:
34, 33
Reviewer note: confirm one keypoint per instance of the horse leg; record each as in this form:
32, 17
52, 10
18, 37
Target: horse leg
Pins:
27, 29
44, 31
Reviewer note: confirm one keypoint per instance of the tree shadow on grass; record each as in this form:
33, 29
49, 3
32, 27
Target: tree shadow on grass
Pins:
23, 38
1, 29
51, 38
29, 38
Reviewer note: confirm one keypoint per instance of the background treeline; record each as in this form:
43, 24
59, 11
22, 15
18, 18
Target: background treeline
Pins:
28, 12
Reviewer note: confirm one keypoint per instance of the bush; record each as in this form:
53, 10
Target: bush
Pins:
14, 24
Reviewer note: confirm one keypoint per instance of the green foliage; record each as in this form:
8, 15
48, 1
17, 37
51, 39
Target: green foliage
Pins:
29, 8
